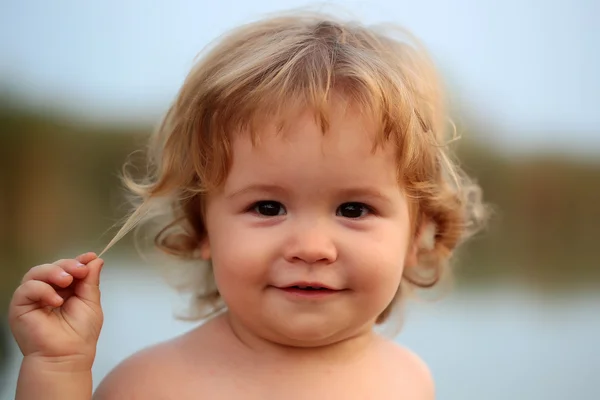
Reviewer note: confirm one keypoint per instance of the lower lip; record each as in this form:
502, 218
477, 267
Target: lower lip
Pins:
309, 294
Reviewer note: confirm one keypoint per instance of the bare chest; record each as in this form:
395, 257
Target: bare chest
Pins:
264, 383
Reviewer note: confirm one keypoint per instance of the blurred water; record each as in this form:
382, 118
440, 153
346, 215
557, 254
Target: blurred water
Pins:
486, 345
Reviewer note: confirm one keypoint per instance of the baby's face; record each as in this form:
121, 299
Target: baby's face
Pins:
302, 208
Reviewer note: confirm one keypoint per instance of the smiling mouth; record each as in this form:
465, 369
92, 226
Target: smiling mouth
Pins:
309, 288
305, 291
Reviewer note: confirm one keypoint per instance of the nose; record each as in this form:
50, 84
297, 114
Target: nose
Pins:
311, 244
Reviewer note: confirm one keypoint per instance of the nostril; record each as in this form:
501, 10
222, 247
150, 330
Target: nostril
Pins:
311, 249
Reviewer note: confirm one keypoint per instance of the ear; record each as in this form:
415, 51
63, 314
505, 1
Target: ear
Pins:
205, 249
411, 259
423, 239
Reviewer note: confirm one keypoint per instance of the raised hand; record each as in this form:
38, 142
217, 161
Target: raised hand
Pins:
55, 314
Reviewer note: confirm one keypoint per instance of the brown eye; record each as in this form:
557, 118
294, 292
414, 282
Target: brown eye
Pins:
352, 210
269, 208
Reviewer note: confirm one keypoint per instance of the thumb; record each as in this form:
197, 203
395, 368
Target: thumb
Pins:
86, 257
89, 287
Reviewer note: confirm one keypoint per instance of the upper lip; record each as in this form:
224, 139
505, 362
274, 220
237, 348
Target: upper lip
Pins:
309, 284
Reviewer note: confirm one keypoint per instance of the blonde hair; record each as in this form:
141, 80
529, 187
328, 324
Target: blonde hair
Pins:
280, 63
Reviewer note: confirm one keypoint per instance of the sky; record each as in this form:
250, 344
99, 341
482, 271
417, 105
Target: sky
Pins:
529, 70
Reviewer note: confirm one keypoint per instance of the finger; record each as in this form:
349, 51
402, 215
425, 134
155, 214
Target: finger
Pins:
49, 273
86, 257
36, 292
89, 287
78, 269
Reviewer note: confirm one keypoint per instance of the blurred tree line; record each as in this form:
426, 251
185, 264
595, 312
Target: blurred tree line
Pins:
60, 190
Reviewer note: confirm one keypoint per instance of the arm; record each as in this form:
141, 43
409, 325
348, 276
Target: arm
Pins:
39, 379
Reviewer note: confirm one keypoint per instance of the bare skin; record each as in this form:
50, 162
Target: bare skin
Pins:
58, 337
211, 362
56, 318
270, 344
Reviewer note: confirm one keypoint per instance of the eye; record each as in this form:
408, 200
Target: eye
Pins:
268, 208
353, 210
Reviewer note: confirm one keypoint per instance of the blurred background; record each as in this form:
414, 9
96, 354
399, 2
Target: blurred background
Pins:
83, 83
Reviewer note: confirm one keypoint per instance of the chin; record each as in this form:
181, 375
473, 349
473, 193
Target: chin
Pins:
308, 331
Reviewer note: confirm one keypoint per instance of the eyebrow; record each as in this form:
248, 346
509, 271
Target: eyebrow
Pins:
364, 192
258, 187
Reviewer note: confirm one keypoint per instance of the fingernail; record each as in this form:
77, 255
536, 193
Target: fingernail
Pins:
79, 265
64, 274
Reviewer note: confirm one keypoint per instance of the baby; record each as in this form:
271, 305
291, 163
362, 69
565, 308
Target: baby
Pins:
304, 164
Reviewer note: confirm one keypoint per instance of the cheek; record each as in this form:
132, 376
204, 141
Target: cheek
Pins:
379, 260
240, 256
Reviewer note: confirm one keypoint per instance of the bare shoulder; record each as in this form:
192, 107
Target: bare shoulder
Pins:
415, 375
146, 374
173, 369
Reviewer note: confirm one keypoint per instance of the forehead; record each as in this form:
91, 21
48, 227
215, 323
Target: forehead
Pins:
300, 150
340, 124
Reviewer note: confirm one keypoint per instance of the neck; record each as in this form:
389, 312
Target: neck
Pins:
352, 347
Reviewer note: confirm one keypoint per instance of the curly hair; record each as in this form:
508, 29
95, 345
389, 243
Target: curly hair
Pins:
268, 67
